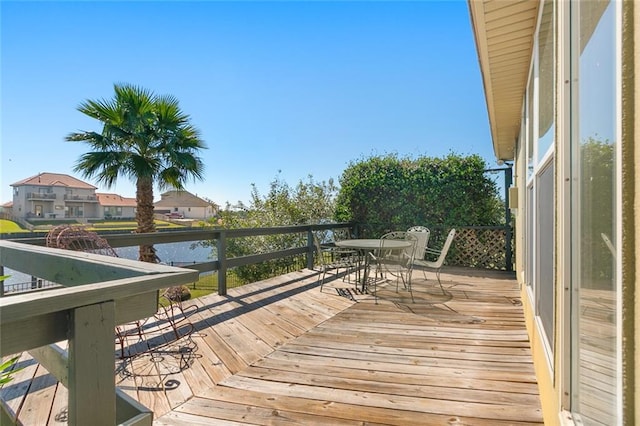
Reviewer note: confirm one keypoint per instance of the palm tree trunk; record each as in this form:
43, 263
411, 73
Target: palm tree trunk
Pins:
144, 217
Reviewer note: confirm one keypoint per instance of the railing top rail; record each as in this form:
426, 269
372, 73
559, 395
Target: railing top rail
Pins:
91, 278
72, 268
127, 239
23, 306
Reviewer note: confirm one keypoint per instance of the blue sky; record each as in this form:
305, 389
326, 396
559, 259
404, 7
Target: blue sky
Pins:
286, 89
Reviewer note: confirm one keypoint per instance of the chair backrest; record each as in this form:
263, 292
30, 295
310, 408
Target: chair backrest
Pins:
445, 248
410, 251
422, 234
319, 254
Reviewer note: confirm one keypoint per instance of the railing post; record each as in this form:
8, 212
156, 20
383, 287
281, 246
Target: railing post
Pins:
1, 281
92, 389
310, 246
222, 261
507, 218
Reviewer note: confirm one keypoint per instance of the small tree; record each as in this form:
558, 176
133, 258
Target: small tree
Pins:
308, 202
145, 138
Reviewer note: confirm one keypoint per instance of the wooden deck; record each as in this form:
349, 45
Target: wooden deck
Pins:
282, 352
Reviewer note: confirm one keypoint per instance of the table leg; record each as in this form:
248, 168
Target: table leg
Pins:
365, 272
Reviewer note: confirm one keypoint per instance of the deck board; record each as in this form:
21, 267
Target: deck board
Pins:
283, 352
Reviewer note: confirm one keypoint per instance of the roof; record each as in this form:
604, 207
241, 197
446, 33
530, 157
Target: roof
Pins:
504, 33
54, 179
115, 200
181, 199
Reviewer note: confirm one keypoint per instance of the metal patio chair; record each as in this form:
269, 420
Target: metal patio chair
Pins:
332, 258
441, 255
422, 234
396, 262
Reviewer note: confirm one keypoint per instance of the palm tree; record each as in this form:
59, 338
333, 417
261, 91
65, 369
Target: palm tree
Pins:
145, 138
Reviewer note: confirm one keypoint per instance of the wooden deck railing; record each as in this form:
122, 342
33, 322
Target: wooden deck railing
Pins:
480, 247
221, 238
99, 293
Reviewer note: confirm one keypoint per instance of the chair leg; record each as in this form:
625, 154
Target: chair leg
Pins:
409, 286
375, 283
440, 282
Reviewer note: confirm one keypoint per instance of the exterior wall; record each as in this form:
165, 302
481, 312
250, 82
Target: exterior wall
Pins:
54, 201
118, 212
544, 373
519, 181
200, 213
197, 212
554, 370
631, 207
185, 203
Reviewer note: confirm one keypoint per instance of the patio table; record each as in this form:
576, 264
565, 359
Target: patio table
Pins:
366, 245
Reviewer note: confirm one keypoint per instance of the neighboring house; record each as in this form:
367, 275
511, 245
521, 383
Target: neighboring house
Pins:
560, 85
7, 208
54, 195
184, 204
114, 206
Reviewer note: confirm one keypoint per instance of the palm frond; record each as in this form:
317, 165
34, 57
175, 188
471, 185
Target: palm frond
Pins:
144, 138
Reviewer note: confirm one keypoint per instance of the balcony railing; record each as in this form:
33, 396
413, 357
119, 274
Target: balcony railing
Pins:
68, 197
41, 196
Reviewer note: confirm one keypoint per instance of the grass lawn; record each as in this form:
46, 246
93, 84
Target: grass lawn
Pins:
207, 284
8, 226
127, 225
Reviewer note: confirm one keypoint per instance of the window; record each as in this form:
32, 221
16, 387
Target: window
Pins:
545, 67
540, 217
545, 238
530, 218
113, 211
530, 125
596, 389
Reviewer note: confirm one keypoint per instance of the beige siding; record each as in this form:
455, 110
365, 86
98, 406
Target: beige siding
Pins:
504, 37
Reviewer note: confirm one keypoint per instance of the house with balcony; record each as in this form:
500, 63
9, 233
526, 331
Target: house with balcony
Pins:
55, 196
562, 100
183, 204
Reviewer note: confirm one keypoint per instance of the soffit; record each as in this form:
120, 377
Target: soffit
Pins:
504, 32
